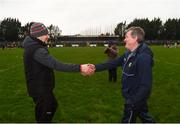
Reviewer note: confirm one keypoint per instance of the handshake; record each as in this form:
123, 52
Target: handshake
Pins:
87, 69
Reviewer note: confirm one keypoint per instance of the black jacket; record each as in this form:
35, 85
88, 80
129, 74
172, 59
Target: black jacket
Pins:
39, 65
111, 51
136, 73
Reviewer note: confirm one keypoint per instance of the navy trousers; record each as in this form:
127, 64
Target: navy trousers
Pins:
45, 108
113, 74
132, 112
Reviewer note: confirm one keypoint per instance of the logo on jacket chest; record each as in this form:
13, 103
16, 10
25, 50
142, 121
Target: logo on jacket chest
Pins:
130, 64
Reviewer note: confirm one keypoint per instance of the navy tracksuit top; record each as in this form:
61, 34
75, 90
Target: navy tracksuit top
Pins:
136, 73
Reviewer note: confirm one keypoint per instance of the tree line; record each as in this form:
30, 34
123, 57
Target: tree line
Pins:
155, 29
11, 30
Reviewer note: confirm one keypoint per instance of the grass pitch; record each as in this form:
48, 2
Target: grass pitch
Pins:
89, 99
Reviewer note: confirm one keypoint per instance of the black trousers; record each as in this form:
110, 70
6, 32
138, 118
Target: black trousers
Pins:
141, 111
112, 74
45, 107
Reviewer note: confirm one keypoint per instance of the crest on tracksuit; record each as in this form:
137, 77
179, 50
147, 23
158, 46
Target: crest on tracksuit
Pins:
130, 64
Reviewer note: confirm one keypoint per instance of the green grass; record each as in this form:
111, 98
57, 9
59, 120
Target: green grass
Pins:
88, 99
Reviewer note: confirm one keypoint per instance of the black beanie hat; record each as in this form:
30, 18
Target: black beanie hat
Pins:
38, 29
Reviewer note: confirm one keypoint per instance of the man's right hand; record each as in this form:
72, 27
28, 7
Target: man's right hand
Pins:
87, 69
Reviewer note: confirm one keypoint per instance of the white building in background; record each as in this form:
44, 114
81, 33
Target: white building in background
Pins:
106, 45
59, 45
93, 45
75, 45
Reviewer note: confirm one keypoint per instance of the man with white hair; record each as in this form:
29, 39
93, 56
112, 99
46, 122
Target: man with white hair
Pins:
137, 63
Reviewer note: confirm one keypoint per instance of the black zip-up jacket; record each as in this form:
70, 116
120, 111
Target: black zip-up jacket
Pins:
39, 65
136, 73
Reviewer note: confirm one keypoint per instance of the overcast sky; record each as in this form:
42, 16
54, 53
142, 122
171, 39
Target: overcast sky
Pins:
74, 16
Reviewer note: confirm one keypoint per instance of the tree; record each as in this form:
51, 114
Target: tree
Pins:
178, 30
170, 29
10, 29
119, 30
25, 30
54, 32
155, 29
143, 23
1, 33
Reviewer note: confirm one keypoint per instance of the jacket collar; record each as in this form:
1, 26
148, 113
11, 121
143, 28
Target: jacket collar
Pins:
137, 50
38, 41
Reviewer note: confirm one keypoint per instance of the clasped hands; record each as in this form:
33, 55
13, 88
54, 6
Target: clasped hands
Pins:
87, 69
